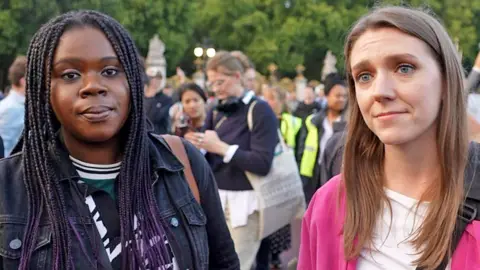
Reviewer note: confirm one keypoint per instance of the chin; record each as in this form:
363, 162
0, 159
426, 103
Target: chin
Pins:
395, 137
99, 135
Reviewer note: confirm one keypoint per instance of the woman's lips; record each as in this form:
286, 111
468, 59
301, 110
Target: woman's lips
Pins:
97, 114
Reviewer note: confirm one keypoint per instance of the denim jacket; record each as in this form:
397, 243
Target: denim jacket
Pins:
201, 239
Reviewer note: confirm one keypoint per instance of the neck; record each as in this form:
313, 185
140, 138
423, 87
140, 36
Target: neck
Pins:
332, 115
95, 153
413, 167
18, 90
151, 92
239, 91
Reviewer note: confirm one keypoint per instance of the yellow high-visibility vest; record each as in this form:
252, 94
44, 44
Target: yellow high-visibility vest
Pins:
290, 126
309, 157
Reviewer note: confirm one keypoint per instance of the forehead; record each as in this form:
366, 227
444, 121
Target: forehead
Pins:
377, 44
215, 75
250, 73
338, 89
189, 93
86, 43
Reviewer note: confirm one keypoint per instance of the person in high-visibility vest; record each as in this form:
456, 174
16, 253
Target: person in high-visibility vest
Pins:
317, 131
289, 124
289, 127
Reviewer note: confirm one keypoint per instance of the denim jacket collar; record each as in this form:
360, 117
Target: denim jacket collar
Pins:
161, 157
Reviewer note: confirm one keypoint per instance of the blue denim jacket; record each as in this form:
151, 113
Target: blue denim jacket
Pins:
12, 113
201, 239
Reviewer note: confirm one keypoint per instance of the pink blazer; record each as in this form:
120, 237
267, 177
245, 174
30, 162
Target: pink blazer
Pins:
321, 246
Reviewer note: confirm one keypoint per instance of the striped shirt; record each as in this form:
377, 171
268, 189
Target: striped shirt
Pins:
101, 201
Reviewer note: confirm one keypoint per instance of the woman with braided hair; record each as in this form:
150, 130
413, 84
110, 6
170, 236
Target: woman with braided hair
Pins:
92, 189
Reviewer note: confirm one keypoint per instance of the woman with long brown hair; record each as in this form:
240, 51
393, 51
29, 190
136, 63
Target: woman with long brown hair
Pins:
395, 205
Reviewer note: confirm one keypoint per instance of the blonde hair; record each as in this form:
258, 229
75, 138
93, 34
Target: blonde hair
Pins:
246, 63
364, 152
225, 62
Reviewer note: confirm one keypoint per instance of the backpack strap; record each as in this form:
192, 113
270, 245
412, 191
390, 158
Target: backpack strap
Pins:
178, 149
250, 115
467, 214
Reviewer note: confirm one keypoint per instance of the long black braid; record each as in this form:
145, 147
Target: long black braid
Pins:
137, 205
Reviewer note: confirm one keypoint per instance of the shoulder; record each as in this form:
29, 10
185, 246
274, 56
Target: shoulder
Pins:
326, 209
7, 106
199, 165
10, 167
261, 109
161, 97
12, 188
317, 118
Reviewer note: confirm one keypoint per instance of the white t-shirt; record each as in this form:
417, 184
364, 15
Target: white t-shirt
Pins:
392, 249
474, 106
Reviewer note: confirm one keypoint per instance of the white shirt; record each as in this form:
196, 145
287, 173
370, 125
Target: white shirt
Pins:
391, 247
474, 106
241, 204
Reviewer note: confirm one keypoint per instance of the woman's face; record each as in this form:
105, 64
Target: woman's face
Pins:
398, 85
271, 98
337, 98
223, 85
89, 90
193, 104
249, 79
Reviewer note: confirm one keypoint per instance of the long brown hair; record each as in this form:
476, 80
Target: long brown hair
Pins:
364, 152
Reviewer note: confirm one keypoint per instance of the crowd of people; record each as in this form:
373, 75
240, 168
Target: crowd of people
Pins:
92, 177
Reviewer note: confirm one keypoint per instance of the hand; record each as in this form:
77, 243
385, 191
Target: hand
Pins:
181, 75
194, 138
212, 143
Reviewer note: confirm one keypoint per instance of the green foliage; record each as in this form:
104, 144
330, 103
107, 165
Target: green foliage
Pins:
269, 31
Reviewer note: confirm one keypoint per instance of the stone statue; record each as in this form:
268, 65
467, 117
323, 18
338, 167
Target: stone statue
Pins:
273, 72
329, 64
155, 62
300, 82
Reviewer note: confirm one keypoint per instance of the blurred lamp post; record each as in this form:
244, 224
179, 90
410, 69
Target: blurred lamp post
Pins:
202, 53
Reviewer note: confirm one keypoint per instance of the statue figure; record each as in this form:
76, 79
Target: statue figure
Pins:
329, 64
155, 62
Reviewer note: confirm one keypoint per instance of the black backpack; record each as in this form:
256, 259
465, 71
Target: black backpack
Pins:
470, 209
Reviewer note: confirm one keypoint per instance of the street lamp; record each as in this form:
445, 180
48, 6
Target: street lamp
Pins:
198, 52
203, 52
211, 52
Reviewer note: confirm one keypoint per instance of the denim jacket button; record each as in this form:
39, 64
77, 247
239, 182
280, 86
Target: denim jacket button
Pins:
174, 222
15, 244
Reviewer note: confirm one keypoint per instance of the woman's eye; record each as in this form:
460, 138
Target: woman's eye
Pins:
364, 77
110, 72
405, 69
70, 76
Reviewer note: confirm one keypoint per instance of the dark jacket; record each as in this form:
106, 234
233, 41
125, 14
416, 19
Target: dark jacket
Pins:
472, 82
313, 183
303, 110
2, 150
332, 160
157, 109
201, 239
256, 148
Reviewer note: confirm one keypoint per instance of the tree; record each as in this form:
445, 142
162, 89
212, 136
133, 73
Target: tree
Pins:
171, 20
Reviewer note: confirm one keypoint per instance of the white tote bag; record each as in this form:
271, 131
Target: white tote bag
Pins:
280, 193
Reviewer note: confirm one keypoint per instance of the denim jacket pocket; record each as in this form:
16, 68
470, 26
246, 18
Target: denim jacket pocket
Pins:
11, 245
197, 221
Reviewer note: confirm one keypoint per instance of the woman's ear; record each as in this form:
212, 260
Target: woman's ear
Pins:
237, 75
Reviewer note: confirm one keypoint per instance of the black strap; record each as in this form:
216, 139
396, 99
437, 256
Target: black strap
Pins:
468, 214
